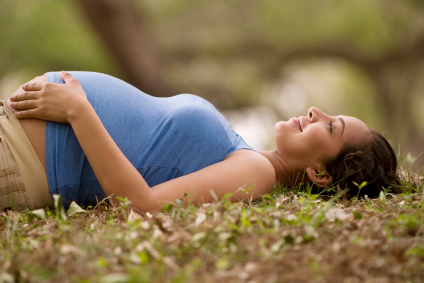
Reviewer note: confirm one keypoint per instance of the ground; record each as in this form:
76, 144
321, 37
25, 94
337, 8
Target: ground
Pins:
289, 236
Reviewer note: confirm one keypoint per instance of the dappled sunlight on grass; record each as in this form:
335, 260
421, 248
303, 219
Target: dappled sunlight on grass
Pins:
286, 237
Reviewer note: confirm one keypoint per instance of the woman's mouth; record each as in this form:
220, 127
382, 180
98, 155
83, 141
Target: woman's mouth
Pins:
297, 121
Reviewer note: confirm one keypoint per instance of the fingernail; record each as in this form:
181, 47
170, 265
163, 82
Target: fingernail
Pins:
12, 104
17, 114
12, 98
24, 86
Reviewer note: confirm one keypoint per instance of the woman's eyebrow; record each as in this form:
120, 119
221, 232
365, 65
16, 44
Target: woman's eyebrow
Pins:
343, 123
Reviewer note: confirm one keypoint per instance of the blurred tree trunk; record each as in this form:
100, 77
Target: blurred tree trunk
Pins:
120, 24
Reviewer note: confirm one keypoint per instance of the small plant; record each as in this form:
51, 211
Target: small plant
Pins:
123, 209
363, 184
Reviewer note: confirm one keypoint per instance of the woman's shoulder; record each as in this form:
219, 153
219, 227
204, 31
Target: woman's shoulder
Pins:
254, 156
255, 165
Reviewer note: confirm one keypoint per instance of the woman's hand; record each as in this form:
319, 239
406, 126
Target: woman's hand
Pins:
49, 101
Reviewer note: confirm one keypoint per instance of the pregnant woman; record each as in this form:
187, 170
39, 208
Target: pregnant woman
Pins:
106, 138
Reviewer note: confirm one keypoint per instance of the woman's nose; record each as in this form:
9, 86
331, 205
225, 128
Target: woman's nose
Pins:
313, 114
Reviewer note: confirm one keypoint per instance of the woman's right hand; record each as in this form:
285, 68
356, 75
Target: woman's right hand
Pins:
50, 101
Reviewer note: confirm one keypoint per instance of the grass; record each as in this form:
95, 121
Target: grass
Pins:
289, 236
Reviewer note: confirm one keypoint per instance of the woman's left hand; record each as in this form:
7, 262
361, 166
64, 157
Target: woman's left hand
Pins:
50, 101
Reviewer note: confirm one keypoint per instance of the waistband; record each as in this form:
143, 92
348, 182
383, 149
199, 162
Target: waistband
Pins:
31, 170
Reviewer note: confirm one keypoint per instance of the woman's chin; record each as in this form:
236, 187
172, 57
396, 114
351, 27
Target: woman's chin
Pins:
279, 126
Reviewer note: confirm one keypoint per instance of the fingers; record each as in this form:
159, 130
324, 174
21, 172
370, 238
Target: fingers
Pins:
67, 78
26, 95
32, 86
24, 105
32, 113
70, 80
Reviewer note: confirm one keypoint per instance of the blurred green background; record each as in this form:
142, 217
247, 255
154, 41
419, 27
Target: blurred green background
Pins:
257, 61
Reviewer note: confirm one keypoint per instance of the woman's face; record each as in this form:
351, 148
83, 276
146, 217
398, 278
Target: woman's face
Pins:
312, 140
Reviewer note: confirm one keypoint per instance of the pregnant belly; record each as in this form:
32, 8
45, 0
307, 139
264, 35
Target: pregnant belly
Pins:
35, 130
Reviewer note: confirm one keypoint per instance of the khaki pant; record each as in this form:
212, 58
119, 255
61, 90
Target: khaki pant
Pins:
23, 182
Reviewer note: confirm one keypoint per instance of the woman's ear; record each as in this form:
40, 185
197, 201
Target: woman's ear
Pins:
320, 178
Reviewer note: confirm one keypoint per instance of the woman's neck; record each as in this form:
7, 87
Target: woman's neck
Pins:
284, 175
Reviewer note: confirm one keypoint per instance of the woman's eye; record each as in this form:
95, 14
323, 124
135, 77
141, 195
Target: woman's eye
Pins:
331, 127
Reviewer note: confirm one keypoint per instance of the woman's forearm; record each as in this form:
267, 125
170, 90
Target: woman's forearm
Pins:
115, 173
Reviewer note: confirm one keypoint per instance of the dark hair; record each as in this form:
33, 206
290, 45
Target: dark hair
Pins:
373, 161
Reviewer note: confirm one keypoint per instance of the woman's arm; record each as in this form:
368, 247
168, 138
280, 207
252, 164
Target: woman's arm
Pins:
116, 175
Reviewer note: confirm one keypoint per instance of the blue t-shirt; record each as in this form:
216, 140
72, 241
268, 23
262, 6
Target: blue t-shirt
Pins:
164, 138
